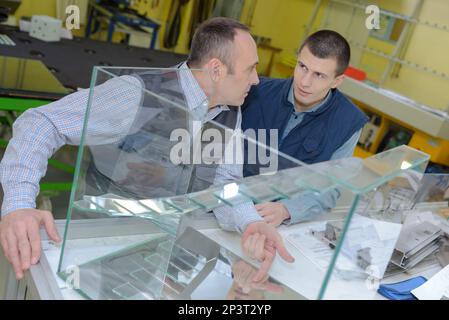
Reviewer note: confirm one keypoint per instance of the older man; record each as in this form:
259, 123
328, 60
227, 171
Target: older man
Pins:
221, 46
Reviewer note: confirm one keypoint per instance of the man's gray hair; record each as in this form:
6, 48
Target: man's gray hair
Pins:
214, 39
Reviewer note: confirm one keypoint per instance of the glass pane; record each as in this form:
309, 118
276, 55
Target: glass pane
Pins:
142, 180
364, 240
124, 166
374, 171
143, 166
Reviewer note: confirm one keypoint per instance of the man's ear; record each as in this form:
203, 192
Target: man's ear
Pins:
338, 80
216, 69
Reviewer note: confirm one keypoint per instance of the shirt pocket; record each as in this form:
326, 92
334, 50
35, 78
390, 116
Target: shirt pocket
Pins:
311, 145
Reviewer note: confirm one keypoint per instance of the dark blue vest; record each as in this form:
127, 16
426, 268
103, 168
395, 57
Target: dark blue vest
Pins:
319, 134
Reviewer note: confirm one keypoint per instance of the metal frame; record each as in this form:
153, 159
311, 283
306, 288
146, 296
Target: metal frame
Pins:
430, 123
116, 18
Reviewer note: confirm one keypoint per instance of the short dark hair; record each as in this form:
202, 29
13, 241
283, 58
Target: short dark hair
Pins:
213, 39
329, 44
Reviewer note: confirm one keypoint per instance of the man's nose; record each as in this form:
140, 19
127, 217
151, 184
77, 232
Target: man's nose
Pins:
306, 80
255, 80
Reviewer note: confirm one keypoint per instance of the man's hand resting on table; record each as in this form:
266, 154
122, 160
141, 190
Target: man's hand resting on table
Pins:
20, 239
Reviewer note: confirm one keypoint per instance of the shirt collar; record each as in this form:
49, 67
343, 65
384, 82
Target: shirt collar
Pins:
291, 99
196, 99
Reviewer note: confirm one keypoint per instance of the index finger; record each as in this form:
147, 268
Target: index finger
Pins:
264, 267
283, 252
35, 241
24, 248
